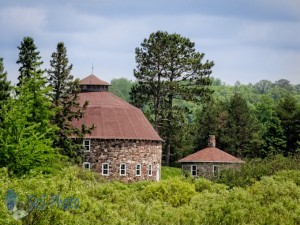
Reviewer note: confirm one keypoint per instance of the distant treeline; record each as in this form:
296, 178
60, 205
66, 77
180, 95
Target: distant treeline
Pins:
249, 120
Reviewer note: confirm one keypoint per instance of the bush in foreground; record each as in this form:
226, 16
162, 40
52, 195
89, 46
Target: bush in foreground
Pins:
272, 200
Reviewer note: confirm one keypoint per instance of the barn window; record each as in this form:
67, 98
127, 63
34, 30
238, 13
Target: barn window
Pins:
122, 169
150, 170
86, 165
216, 170
105, 169
138, 170
87, 145
194, 170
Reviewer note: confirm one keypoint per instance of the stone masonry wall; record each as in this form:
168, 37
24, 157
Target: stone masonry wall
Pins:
130, 152
205, 169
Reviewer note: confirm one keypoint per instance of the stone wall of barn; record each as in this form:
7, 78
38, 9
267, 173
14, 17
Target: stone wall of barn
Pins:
207, 170
128, 152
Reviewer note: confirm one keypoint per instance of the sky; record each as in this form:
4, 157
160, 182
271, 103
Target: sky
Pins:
248, 40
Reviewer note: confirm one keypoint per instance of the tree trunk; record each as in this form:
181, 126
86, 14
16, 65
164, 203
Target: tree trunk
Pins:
168, 151
169, 129
157, 104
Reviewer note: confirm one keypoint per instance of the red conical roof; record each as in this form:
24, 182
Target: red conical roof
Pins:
211, 154
92, 80
113, 117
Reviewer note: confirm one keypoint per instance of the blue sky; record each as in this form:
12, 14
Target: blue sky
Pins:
249, 40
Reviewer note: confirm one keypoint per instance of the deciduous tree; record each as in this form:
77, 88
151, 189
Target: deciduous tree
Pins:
121, 87
26, 138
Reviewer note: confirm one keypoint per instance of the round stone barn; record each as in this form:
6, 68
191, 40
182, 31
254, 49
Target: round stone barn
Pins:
124, 145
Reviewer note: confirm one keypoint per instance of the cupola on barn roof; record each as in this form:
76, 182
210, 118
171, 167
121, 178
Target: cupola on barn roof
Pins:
92, 80
113, 117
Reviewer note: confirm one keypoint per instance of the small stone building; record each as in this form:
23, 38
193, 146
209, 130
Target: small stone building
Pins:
209, 162
124, 145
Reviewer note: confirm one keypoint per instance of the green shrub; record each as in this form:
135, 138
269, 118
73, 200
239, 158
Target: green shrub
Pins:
254, 169
174, 191
271, 200
202, 184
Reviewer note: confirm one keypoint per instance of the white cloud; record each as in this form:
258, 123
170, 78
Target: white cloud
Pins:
244, 48
20, 20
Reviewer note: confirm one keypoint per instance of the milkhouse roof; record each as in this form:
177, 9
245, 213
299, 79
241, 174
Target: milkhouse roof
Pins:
113, 117
211, 154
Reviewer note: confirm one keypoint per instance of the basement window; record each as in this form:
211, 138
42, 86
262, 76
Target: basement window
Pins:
86, 145
122, 169
105, 169
150, 170
194, 170
138, 170
86, 165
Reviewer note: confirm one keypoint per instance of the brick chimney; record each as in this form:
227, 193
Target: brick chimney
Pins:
211, 141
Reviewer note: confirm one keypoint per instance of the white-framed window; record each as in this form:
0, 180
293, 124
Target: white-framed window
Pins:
86, 165
194, 170
138, 170
150, 170
105, 169
123, 169
216, 170
86, 145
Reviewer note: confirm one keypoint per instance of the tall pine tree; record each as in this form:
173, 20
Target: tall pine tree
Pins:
32, 76
241, 132
29, 60
288, 111
211, 119
27, 132
5, 88
64, 97
5, 85
169, 68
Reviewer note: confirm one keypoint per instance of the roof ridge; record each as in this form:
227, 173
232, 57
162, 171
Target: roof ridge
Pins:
93, 80
211, 154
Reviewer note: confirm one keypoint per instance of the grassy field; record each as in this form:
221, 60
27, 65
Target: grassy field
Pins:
170, 172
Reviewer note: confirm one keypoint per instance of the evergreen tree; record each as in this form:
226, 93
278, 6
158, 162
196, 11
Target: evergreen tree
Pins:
169, 68
211, 120
273, 141
273, 138
5, 87
31, 76
288, 111
242, 137
29, 60
64, 98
